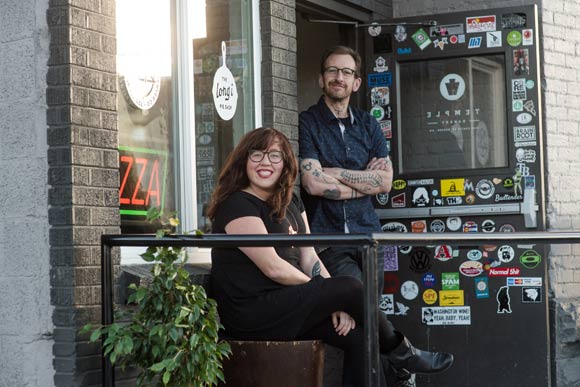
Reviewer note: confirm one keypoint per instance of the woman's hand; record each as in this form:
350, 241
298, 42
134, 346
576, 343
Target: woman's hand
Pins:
342, 323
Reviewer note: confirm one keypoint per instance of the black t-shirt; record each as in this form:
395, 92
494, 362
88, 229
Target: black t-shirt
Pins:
250, 304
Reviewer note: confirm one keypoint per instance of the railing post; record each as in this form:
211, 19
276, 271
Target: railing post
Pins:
107, 305
371, 323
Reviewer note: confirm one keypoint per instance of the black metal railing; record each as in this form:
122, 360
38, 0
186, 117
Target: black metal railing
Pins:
368, 251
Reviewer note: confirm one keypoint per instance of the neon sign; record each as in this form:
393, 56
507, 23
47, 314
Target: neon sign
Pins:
143, 180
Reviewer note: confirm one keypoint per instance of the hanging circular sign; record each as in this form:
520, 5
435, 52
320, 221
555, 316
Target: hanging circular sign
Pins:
225, 95
143, 91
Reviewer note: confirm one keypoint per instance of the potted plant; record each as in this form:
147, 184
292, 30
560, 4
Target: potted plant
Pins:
172, 333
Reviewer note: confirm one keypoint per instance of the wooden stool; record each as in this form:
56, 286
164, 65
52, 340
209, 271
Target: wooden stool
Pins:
274, 363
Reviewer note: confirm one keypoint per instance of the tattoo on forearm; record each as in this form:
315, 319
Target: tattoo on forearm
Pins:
371, 178
316, 269
316, 172
307, 166
331, 193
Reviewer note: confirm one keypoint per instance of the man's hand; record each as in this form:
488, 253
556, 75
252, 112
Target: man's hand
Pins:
382, 163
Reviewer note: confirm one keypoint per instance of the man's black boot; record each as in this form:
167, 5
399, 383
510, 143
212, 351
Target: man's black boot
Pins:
416, 361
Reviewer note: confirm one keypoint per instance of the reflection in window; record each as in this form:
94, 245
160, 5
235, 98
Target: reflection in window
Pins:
145, 111
452, 114
229, 22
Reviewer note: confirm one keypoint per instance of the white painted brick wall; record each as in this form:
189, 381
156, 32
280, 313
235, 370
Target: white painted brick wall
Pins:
25, 311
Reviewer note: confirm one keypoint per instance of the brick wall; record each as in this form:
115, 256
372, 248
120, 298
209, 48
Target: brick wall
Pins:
561, 63
25, 313
83, 174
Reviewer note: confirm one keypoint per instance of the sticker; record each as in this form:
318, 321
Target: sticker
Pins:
421, 39
419, 226
470, 226
507, 228
519, 89
380, 95
409, 290
380, 65
391, 283
524, 155
480, 24
429, 296
429, 280
402, 309
488, 225
400, 33
503, 300
530, 107
524, 281
437, 225
451, 298
524, 118
504, 271
452, 187
474, 255
453, 223
524, 133
204, 139
375, 80
420, 260
399, 184
530, 181
446, 316
517, 106
530, 259
513, 20
521, 62
454, 200
414, 183
484, 189
531, 295
444, 253
527, 37
506, 253
398, 201
494, 39
470, 199
471, 268
225, 94
391, 258
420, 197
452, 87
446, 30
440, 42
387, 304
450, 281
474, 42
530, 84
374, 30
377, 112
382, 199
404, 51
397, 227
481, 288
514, 38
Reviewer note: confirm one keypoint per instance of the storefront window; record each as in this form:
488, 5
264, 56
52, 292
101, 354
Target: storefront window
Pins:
173, 124
145, 111
219, 122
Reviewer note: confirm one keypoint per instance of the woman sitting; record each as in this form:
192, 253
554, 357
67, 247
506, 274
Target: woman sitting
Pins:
285, 293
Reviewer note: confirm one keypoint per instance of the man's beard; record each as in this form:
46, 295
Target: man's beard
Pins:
334, 95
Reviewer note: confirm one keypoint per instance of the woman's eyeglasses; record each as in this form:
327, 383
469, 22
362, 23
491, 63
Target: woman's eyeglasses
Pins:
333, 71
274, 156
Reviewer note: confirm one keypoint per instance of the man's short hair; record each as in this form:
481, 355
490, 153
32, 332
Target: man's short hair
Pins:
341, 50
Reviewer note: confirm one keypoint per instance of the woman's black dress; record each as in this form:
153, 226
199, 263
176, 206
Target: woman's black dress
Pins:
251, 305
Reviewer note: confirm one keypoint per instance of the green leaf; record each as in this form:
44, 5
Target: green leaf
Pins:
96, 335
166, 377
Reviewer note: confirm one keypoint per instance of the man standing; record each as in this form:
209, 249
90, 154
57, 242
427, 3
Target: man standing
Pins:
344, 162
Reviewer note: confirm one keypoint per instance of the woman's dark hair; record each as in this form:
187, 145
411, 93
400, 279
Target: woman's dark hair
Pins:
341, 50
233, 176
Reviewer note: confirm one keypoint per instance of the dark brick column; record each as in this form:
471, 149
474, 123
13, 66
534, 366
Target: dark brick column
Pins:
83, 174
279, 89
